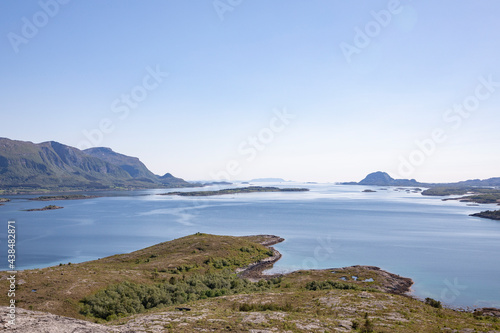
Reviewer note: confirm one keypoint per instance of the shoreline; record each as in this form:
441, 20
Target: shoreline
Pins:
394, 283
368, 293
254, 271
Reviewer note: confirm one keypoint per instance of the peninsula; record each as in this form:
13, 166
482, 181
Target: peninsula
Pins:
189, 284
489, 214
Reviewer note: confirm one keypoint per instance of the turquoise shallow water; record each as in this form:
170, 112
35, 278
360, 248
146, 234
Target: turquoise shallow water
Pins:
451, 256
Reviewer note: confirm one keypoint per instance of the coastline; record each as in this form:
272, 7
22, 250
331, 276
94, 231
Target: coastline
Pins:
392, 283
254, 271
355, 289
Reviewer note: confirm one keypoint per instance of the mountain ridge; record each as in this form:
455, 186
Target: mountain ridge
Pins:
51, 165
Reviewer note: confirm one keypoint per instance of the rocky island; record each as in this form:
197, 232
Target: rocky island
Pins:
64, 197
249, 189
49, 207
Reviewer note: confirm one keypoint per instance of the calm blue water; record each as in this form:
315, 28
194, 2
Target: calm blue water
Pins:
451, 256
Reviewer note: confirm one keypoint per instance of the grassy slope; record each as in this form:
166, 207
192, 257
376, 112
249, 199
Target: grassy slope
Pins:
59, 289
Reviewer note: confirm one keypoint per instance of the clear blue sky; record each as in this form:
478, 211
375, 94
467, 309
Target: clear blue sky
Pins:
362, 87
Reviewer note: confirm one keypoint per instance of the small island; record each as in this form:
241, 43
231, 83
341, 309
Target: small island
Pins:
369, 191
217, 183
64, 197
489, 214
249, 189
3, 200
49, 207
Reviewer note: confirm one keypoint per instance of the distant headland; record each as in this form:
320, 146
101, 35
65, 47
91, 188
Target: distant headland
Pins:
474, 191
380, 178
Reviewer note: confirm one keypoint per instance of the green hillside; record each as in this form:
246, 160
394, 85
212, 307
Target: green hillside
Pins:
26, 166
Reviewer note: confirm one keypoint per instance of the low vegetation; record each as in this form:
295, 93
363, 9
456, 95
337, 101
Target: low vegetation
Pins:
329, 284
432, 302
127, 298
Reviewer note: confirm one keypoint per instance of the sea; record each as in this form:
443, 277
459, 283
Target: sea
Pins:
451, 256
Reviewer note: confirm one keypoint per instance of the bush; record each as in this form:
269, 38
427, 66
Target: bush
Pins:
433, 303
367, 327
328, 284
129, 298
246, 307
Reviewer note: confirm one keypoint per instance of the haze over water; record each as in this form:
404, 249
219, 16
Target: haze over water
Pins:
451, 256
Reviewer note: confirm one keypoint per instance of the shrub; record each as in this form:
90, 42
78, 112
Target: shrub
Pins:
247, 307
367, 326
328, 284
433, 303
129, 298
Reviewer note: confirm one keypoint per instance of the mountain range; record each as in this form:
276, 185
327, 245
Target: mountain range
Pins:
55, 166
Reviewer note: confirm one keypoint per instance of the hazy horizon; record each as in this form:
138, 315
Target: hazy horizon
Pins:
317, 91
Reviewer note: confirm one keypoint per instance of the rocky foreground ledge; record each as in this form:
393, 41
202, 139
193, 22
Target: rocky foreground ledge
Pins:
41, 322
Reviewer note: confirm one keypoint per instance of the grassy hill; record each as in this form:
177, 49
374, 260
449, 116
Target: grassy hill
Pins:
196, 276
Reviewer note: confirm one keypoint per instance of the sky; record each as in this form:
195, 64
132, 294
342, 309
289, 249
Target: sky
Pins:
312, 90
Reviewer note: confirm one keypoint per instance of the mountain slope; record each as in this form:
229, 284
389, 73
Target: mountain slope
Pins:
51, 165
133, 166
